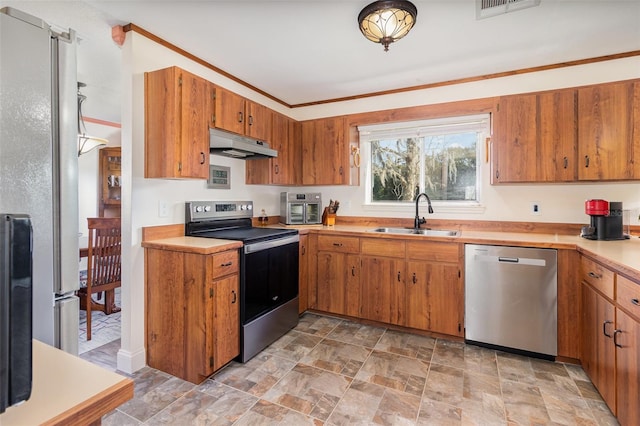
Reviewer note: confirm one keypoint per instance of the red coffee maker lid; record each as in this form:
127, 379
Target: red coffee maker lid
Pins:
596, 207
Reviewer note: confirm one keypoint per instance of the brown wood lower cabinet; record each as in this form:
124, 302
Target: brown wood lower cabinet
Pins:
192, 312
416, 284
611, 338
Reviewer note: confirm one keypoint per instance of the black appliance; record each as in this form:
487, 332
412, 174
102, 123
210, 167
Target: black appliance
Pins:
15, 309
268, 269
606, 220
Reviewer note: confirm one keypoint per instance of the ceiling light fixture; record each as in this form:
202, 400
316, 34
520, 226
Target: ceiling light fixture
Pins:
387, 21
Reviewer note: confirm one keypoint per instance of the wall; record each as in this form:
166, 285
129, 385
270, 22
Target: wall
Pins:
140, 196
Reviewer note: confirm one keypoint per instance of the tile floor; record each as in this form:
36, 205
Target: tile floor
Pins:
336, 372
104, 328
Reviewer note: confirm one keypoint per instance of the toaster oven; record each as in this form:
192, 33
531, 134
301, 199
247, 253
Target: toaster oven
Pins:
300, 208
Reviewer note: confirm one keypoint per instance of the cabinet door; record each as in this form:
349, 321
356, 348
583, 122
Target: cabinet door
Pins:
515, 140
332, 275
628, 369
557, 148
417, 295
609, 148
195, 126
324, 152
229, 111
380, 279
226, 320
258, 121
165, 311
353, 298
446, 299
598, 350
282, 165
177, 106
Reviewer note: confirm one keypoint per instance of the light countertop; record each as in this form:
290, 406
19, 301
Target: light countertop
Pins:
67, 390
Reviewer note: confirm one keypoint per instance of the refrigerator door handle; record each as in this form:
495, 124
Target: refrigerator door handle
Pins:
65, 147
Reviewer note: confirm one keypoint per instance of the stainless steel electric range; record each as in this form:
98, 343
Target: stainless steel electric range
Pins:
268, 269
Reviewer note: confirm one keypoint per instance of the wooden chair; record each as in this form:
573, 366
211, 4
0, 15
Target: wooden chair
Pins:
103, 266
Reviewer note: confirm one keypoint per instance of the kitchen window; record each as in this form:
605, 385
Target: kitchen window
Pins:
440, 156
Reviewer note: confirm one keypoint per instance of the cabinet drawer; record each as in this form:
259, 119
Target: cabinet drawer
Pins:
338, 243
382, 247
433, 251
601, 278
225, 263
628, 295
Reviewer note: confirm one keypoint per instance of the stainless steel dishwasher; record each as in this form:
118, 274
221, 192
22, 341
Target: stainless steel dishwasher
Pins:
511, 299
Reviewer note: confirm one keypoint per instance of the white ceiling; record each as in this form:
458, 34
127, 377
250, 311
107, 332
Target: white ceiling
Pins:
309, 50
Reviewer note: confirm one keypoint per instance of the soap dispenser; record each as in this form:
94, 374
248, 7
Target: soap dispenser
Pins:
263, 219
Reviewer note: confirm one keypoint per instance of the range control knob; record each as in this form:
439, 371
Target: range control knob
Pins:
199, 209
207, 208
249, 207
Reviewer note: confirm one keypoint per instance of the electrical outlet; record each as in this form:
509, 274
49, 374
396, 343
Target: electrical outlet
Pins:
163, 209
535, 208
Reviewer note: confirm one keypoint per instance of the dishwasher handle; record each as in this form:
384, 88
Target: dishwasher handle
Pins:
509, 259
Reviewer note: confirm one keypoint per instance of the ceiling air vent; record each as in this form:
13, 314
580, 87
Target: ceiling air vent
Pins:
489, 8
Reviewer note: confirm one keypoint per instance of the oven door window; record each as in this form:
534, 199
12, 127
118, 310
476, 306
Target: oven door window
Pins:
296, 213
270, 279
312, 213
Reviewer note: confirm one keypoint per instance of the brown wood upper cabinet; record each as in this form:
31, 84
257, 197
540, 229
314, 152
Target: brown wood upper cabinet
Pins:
242, 116
535, 138
609, 131
589, 133
325, 152
280, 170
177, 110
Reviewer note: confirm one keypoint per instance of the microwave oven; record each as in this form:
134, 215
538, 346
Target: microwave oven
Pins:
300, 208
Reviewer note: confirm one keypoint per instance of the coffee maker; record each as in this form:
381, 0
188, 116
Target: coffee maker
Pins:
606, 220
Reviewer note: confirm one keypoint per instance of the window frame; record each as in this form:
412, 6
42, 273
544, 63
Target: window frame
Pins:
421, 128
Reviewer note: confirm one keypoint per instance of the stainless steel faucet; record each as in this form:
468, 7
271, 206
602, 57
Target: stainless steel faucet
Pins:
418, 220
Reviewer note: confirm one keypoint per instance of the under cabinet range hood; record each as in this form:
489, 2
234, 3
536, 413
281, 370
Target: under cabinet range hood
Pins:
236, 146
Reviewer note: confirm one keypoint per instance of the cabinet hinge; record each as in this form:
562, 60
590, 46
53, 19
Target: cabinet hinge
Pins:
459, 273
179, 166
459, 327
211, 361
213, 118
210, 292
180, 81
498, 108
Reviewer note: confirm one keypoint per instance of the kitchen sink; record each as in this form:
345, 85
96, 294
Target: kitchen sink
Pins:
411, 231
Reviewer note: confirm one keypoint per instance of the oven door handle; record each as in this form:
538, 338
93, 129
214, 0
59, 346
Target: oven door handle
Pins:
266, 245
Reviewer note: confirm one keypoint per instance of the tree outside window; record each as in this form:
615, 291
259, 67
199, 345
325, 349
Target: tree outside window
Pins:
444, 165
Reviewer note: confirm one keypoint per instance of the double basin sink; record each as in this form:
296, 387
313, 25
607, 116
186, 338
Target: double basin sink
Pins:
411, 231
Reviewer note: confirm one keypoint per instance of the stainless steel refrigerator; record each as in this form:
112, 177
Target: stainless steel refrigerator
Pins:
39, 164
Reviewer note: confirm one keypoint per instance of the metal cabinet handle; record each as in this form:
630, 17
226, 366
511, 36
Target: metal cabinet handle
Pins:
604, 327
226, 264
586, 161
277, 169
341, 171
414, 279
594, 275
251, 120
353, 271
240, 117
398, 276
235, 296
615, 338
337, 244
304, 250
635, 302
566, 162
202, 157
